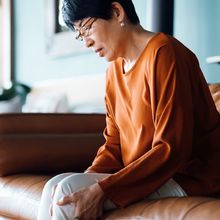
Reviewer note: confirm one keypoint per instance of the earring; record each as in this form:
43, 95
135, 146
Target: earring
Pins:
122, 24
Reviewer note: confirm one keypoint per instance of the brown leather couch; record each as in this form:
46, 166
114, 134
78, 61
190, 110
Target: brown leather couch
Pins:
34, 147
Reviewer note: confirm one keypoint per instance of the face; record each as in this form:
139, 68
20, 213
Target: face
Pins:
103, 36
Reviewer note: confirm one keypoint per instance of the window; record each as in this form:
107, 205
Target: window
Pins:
59, 40
6, 43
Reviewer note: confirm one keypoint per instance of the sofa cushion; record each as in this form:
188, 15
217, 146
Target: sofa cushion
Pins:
188, 208
20, 196
49, 143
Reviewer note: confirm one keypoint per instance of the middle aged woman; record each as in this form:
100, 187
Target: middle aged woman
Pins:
162, 127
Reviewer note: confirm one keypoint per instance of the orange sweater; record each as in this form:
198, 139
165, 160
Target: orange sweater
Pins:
161, 123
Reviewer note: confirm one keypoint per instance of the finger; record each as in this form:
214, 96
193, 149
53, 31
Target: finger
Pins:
77, 214
66, 200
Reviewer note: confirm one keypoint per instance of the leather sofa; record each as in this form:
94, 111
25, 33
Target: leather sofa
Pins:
34, 147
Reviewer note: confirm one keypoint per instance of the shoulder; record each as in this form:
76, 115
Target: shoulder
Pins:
166, 50
158, 42
163, 52
167, 44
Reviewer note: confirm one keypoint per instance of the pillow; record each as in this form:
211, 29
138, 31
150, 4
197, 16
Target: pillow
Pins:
49, 143
89, 108
46, 102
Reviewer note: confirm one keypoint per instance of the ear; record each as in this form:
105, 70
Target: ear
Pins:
118, 11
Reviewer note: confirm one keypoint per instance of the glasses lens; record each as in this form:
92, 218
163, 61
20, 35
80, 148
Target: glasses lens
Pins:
77, 35
84, 31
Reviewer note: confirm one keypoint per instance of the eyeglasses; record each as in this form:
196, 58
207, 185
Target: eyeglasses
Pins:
84, 31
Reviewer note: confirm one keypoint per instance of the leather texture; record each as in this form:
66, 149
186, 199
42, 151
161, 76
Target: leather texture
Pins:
20, 195
215, 91
32, 138
190, 208
46, 143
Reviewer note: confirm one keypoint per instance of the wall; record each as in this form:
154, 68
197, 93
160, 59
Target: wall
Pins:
197, 26
31, 62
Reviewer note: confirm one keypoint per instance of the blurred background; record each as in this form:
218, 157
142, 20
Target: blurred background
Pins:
37, 53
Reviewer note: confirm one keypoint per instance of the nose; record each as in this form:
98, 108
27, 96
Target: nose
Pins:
88, 42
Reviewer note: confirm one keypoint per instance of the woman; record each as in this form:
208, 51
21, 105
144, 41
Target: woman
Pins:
162, 126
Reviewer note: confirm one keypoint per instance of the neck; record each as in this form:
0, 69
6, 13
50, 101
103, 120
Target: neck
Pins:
135, 40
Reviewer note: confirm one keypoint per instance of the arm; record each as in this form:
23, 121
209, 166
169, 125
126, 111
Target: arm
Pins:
172, 114
108, 158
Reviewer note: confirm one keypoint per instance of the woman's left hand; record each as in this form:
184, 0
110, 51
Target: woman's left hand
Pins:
88, 202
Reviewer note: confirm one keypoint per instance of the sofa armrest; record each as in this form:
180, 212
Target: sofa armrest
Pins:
49, 143
215, 92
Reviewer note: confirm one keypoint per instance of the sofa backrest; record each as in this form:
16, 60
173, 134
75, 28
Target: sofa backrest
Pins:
49, 143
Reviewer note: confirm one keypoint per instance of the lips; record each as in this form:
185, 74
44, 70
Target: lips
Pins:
98, 50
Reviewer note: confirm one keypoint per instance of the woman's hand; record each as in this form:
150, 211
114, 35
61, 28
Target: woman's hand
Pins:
88, 202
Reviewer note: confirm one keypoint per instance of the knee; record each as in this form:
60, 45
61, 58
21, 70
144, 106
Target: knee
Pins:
67, 185
63, 189
53, 182
73, 183
50, 184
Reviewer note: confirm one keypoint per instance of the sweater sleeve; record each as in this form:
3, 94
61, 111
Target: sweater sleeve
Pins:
108, 158
172, 114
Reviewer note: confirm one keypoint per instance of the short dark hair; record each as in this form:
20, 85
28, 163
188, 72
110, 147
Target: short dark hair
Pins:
74, 10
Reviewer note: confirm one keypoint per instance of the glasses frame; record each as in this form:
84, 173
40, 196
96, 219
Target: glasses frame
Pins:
84, 30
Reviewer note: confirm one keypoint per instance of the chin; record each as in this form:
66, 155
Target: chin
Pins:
110, 58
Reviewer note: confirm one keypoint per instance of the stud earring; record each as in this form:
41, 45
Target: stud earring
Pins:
122, 24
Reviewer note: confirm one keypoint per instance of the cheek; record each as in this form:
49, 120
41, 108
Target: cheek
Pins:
107, 39
105, 35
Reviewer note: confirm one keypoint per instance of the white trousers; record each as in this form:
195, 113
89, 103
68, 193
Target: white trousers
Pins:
68, 183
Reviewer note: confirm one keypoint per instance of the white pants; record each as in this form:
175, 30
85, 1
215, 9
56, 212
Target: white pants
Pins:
68, 183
